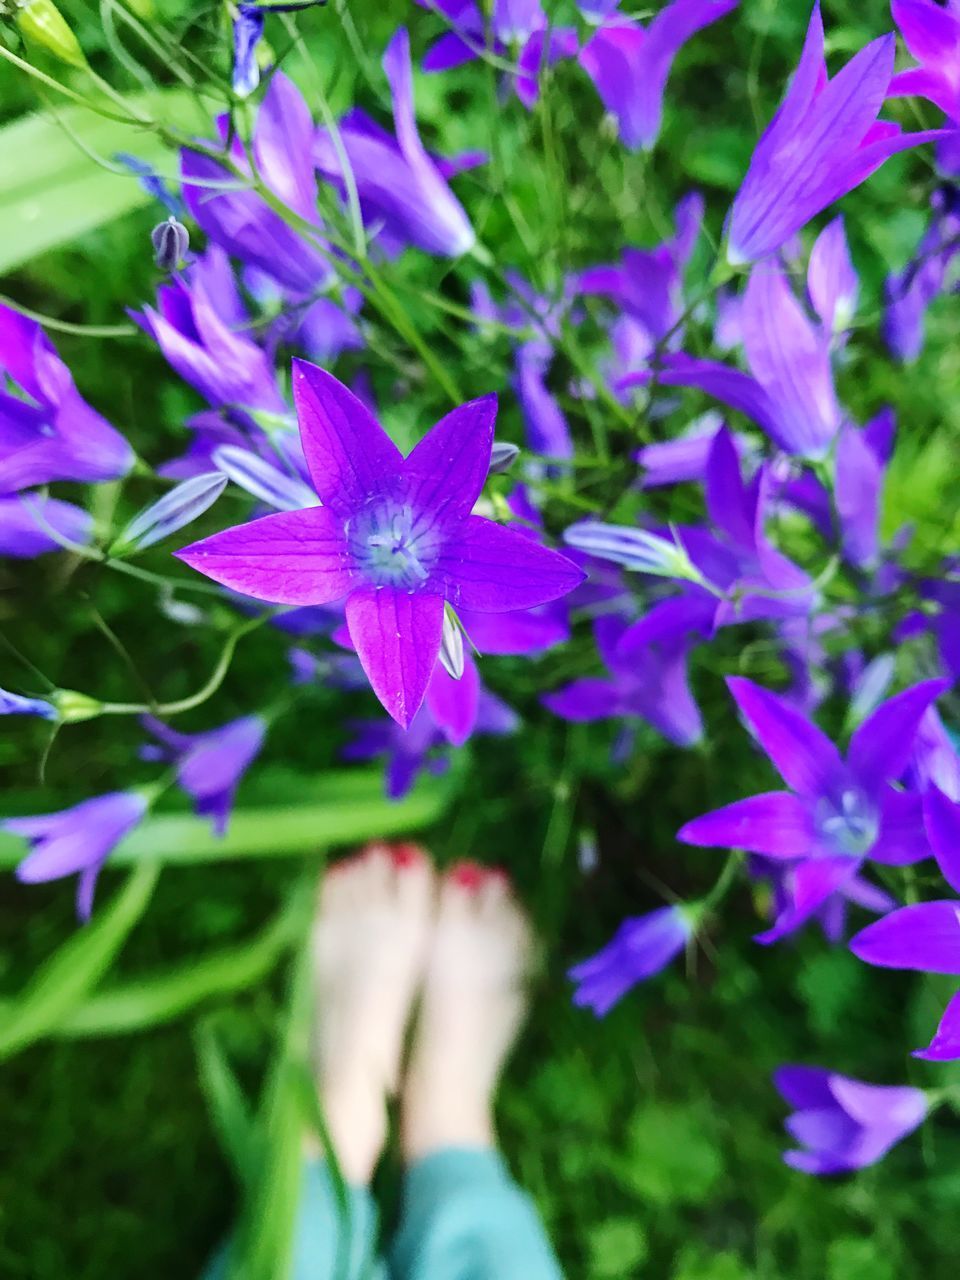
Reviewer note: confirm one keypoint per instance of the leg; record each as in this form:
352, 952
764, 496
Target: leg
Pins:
463, 1217
369, 947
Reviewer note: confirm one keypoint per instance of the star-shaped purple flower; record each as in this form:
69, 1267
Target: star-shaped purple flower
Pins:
838, 812
394, 538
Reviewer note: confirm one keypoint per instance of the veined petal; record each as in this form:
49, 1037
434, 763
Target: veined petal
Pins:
831, 279
776, 824
803, 755
731, 386
859, 478
791, 362
397, 638
449, 465
727, 502
348, 453
924, 937
282, 140
293, 557
493, 569
942, 818
880, 749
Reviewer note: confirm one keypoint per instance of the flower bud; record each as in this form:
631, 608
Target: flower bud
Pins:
635, 549
502, 457
41, 23
263, 480
451, 644
170, 240
174, 510
14, 704
73, 707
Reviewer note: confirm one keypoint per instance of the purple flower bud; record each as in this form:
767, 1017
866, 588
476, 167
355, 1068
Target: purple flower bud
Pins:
174, 510
502, 457
247, 33
451, 645
12, 704
263, 480
171, 241
640, 948
635, 549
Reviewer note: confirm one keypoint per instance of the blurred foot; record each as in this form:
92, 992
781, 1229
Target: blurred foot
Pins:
472, 1006
369, 944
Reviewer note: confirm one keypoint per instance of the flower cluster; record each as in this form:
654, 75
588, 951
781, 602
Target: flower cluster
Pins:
692, 491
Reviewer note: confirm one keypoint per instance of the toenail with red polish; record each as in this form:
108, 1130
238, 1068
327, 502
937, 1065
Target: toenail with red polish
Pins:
470, 875
406, 855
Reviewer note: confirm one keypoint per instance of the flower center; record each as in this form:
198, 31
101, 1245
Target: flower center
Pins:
393, 545
849, 824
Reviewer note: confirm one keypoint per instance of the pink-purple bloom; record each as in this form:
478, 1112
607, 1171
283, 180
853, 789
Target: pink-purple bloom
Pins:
838, 812
824, 140
640, 948
931, 32
77, 841
209, 765
394, 538
842, 1124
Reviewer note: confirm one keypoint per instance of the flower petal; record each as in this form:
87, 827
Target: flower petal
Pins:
397, 639
776, 824
902, 839
494, 569
348, 453
293, 557
448, 467
924, 937
945, 1045
585, 700
942, 818
454, 704
803, 754
880, 749
812, 884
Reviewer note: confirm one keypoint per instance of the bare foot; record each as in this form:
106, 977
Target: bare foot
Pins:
472, 1007
370, 943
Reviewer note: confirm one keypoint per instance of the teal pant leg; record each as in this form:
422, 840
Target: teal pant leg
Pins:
332, 1241
463, 1218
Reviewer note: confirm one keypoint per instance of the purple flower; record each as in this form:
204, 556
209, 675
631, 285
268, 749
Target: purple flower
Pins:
50, 432
31, 525
209, 765
397, 180
199, 340
77, 840
648, 284
13, 704
410, 751
247, 33
629, 65
838, 812
647, 679
910, 292
241, 221
640, 948
791, 393
823, 141
395, 538
843, 1124
931, 32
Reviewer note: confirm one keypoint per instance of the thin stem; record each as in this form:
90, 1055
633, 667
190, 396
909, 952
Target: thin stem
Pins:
66, 326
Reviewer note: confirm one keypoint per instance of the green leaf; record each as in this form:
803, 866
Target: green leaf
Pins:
52, 191
76, 966
673, 1158
228, 1106
163, 996
858, 1258
345, 807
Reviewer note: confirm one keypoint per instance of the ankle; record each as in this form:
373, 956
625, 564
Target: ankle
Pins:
356, 1120
436, 1117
